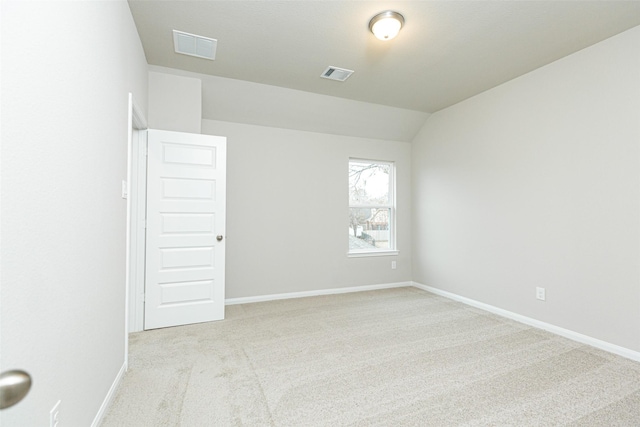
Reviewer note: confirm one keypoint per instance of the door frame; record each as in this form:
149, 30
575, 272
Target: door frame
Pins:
136, 213
136, 222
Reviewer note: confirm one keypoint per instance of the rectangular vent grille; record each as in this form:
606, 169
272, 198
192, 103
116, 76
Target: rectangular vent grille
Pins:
190, 44
335, 73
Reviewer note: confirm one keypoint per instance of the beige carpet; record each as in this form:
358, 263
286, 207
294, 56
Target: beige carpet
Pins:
396, 357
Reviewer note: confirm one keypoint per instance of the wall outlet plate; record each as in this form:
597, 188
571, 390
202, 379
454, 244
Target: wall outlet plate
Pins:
54, 415
540, 294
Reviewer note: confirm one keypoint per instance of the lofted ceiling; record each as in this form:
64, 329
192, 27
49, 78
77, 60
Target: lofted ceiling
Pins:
447, 51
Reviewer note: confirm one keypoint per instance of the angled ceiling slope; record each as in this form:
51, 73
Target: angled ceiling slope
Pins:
447, 51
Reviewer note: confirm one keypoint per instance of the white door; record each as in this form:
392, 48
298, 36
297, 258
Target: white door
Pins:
185, 254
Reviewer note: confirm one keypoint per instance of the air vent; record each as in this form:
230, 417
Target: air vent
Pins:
190, 44
335, 73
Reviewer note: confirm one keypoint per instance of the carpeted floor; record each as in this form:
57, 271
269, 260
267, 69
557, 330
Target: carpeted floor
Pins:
396, 357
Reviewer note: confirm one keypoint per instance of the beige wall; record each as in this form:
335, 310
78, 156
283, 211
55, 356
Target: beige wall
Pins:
287, 212
536, 183
67, 69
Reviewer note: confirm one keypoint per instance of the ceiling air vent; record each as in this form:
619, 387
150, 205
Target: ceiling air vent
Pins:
190, 44
335, 73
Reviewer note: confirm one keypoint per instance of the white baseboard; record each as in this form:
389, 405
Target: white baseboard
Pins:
273, 297
575, 336
109, 397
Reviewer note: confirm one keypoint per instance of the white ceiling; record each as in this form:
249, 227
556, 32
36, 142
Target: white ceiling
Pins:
447, 51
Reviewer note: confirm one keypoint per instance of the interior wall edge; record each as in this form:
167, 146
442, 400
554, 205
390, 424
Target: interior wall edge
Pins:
557, 330
109, 397
319, 292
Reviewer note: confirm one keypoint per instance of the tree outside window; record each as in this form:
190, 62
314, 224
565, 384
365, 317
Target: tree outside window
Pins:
371, 206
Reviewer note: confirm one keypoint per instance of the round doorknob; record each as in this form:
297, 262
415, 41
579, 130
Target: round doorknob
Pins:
219, 238
14, 386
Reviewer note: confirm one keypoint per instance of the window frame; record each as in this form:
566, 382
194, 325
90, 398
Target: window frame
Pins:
392, 249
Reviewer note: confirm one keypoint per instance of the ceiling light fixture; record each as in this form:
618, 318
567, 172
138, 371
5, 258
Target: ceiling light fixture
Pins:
386, 25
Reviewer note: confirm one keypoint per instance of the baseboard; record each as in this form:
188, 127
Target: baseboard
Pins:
575, 336
109, 397
273, 297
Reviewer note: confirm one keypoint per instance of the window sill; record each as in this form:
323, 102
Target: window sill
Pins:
371, 253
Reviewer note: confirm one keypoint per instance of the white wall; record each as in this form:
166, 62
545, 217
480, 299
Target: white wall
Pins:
67, 68
175, 102
282, 184
536, 183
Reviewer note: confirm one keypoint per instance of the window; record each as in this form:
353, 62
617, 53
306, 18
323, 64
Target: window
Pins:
371, 208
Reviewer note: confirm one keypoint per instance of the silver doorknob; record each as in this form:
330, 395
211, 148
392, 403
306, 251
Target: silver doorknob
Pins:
14, 386
219, 238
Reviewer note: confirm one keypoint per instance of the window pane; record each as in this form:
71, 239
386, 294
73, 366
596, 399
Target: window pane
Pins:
368, 183
369, 228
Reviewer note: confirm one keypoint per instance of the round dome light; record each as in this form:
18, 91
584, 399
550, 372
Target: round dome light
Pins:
386, 25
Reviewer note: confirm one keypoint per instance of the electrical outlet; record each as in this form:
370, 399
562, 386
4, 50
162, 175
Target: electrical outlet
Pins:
540, 294
54, 415
393, 265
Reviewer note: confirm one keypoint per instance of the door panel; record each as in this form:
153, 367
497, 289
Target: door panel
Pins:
186, 189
